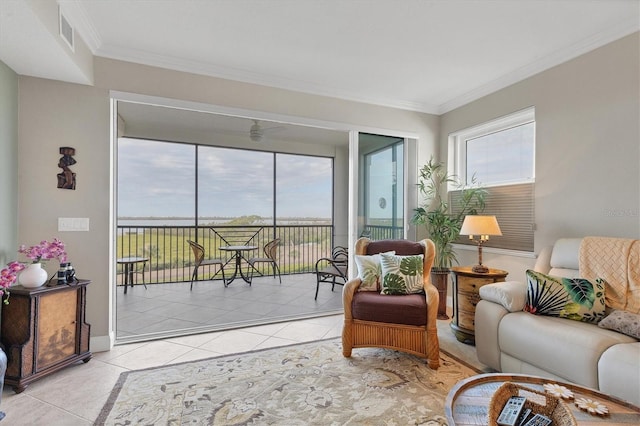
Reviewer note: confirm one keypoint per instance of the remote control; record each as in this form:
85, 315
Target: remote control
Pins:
511, 411
539, 420
523, 418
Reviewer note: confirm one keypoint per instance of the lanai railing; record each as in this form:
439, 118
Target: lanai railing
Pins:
171, 259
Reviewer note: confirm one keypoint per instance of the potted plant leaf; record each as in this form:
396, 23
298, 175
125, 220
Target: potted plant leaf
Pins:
442, 225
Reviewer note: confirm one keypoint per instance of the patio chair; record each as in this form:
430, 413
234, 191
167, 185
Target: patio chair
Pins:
404, 322
332, 270
270, 253
199, 254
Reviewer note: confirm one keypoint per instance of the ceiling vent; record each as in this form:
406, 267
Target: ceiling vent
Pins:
66, 30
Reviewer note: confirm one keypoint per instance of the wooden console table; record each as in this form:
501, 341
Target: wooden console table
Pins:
44, 330
466, 288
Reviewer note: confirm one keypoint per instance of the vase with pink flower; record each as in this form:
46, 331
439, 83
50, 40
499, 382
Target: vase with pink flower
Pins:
30, 275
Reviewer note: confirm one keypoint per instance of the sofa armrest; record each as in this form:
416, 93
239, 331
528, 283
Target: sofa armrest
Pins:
511, 294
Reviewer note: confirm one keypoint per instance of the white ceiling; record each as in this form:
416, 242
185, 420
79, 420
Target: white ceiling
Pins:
423, 55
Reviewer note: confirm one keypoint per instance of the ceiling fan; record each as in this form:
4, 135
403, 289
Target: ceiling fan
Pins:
257, 133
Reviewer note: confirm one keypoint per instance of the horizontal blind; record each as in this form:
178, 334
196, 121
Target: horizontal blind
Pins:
513, 206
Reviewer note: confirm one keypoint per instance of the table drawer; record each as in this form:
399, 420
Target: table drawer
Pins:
472, 284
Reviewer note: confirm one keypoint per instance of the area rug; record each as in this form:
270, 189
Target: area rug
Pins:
305, 384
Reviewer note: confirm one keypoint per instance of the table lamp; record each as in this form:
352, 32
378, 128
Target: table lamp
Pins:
482, 226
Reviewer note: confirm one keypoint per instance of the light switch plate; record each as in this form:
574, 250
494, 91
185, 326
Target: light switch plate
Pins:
72, 224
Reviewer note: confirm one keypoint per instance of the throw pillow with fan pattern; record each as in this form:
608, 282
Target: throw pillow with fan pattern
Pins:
573, 298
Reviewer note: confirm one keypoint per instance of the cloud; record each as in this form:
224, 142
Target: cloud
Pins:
157, 179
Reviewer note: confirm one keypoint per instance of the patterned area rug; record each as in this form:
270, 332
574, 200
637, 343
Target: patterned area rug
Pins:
306, 384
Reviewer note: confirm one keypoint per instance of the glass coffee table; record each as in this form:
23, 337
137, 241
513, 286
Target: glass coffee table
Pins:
468, 401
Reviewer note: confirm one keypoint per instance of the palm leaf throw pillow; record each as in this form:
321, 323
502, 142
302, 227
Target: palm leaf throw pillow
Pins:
369, 271
572, 298
401, 274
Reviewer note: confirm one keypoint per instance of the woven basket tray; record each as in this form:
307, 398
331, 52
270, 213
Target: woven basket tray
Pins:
537, 402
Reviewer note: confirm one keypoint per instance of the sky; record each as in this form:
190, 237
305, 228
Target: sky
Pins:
157, 179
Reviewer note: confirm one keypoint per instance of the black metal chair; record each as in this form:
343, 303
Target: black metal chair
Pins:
270, 253
333, 270
199, 254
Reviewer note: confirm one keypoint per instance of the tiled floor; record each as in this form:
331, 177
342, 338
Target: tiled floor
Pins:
163, 310
75, 395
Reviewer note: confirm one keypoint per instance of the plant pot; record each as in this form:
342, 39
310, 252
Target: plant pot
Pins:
440, 279
33, 276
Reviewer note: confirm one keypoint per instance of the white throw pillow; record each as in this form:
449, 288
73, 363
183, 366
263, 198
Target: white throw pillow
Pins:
369, 271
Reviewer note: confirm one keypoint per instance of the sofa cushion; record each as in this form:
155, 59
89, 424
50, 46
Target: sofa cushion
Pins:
402, 274
572, 298
565, 254
623, 322
567, 349
369, 271
410, 309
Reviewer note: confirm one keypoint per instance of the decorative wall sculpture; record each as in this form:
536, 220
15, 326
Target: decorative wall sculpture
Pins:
67, 179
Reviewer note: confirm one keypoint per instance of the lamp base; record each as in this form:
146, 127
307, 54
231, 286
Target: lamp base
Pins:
481, 269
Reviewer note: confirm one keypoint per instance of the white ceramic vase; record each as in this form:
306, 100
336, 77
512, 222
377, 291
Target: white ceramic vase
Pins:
33, 276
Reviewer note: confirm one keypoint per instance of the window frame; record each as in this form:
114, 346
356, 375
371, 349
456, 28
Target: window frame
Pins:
457, 163
458, 145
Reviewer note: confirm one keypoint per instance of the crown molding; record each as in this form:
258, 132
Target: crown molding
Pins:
76, 13
251, 77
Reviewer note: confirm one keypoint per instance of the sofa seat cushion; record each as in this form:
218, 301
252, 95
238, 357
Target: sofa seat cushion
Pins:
619, 372
409, 309
565, 348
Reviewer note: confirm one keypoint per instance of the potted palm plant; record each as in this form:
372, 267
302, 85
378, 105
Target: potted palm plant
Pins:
443, 226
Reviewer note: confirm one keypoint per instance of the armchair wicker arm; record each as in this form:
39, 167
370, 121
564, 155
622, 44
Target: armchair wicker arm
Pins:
432, 297
348, 291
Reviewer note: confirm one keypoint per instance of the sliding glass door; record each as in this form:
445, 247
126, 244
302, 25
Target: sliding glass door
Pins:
382, 201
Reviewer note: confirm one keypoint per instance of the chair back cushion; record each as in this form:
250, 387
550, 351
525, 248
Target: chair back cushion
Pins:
401, 247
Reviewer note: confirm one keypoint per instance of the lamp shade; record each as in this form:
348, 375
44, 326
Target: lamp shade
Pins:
480, 225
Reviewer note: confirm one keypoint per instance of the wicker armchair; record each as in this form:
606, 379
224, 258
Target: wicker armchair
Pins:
402, 322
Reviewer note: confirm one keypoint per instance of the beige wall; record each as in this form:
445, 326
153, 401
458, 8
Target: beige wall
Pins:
586, 162
54, 114
8, 165
587, 146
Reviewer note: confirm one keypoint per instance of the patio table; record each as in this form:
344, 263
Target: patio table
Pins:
129, 265
238, 250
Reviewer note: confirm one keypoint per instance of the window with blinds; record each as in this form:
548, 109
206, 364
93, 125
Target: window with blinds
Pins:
513, 206
499, 155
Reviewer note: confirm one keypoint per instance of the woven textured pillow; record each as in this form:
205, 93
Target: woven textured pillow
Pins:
369, 271
402, 274
572, 298
623, 322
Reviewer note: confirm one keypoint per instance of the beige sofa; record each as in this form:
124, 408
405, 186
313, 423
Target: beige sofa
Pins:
513, 341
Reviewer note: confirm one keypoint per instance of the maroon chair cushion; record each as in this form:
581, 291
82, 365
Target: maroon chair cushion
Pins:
401, 247
409, 309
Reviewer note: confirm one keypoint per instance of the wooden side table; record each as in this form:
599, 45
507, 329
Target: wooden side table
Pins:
44, 330
466, 287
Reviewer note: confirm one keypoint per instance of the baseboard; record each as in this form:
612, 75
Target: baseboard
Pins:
101, 343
